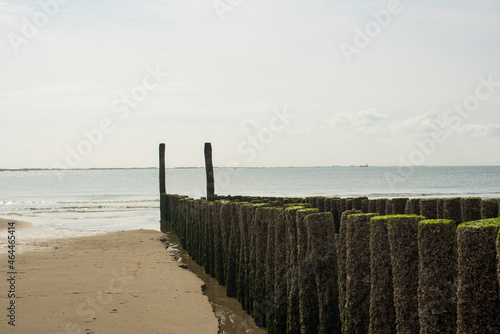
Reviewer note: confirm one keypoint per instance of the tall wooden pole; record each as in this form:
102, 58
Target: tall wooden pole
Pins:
162, 169
209, 171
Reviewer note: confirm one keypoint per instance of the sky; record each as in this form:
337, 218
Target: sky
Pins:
88, 83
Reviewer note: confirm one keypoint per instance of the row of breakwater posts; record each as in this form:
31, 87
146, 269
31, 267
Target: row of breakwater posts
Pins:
330, 265
346, 265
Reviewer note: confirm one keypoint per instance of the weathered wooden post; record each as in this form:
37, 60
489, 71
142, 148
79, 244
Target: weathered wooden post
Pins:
322, 251
471, 209
382, 313
437, 289
209, 169
280, 273
163, 198
498, 257
452, 209
308, 291
399, 205
341, 267
489, 208
428, 208
357, 289
478, 290
163, 186
403, 242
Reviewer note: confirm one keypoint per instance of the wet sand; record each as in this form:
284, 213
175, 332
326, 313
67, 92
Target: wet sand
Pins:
234, 320
119, 282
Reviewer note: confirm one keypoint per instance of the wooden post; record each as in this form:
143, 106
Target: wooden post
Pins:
162, 169
209, 168
163, 195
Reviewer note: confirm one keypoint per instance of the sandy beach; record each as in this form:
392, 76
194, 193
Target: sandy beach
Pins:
119, 282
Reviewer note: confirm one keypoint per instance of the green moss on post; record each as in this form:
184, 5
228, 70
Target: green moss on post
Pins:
452, 209
280, 273
308, 292
357, 203
320, 203
440, 208
341, 267
242, 209
232, 254
382, 313
372, 205
412, 207
478, 288
399, 206
428, 208
388, 206
489, 208
322, 254
471, 209
335, 209
365, 205
272, 216
218, 246
259, 247
349, 202
403, 241
498, 257
357, 307
381, 206
437, 290
293, 315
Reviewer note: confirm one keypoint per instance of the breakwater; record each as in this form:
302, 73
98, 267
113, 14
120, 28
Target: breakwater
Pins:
349, 265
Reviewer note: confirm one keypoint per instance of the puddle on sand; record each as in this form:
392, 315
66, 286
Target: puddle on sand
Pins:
233, 320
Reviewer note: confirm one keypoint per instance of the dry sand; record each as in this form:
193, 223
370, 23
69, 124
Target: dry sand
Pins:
120, 282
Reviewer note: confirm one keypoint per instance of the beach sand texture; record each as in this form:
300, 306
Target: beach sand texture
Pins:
119, 282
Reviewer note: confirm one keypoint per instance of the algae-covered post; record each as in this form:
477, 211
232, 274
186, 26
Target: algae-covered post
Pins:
437, 290
322, 251
478, 288
399, 205
440, 208
452, 209
292, 277
280, 272
382, 314
357, 301
403, 241
308, 291
498, 257
382, 206
428, 208
489, 208
209, 169
471, 209
412, 207
341, 261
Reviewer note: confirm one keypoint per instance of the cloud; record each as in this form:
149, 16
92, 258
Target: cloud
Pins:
493, 130
362, 117
423, 123
479, 130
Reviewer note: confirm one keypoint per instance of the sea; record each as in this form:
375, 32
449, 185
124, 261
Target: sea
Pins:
62, 203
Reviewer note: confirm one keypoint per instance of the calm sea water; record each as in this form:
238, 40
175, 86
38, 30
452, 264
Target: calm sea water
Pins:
88, 201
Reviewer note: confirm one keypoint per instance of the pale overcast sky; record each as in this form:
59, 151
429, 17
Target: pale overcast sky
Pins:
268, 82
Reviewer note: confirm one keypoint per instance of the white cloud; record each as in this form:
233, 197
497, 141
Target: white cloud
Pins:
479, 130
362, 117
493, 130
423, 123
